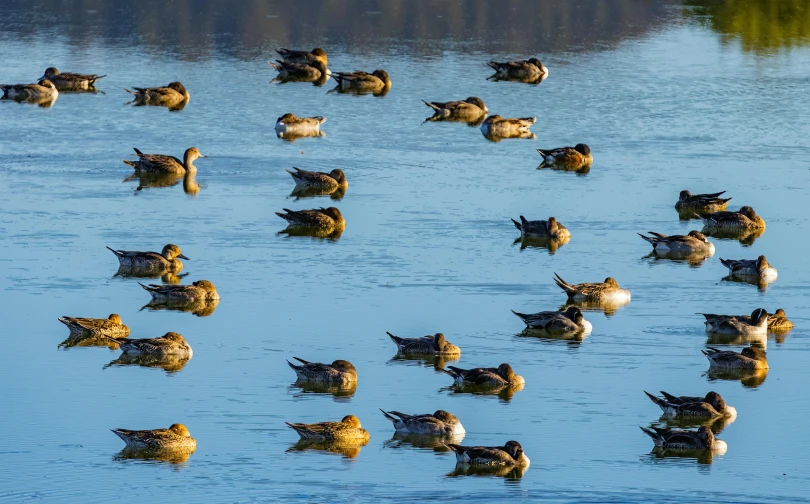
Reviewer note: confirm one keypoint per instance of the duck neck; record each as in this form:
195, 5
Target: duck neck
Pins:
188, 163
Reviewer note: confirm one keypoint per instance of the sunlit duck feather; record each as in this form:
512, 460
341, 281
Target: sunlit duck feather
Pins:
502, 376
201, 290
509, 454
749, 359
43, 89
170, 343
426, 345
174, 93
111, 326
756, 324
570, 320
542, 229
702, 202
685, 440
340, 371
319, 180
348, 428
305, 57
167, 259
70, 81
315, 70
323, 218
470, 108
521, 69
440, 423
498, 126
744, 218
377, 80
692, 243
710, 406
290, 123
576, 157
161, 163
608, 290
779, 321
758, 267
175, 437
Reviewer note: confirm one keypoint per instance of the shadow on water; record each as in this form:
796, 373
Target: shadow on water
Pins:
346, 449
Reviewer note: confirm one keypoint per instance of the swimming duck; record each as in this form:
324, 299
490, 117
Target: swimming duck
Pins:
692, 243
70, 81
751, 268
685, 440
744, 218
471, 108
607, 291
110, 326
440, 423
779, 321
572, 158
294, 125
348, 428
333, 180
173, 94
309, 72
165, 260
161, 163
322, 218
509, 454
570, 320
531, 68
703, 203
710, 406
501, 376
749, 359
497, 126
374, 82
426, 345
542, 229
175, 437
44, 89
340, 371
304, 57
201, 290
170, 343
756, 324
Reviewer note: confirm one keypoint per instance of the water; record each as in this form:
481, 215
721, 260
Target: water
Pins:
668, 96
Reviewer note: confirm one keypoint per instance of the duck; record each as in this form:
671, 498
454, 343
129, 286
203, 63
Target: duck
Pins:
175, 437
348, 428
779, 321
509, 454
471, 108
502, 376
166, 260
607, 291
569, 321
70, 81
331, 181
497, 126
685, 440
572, 158
172, 94
710, 406
304, 57
758, 267
426, 345
542, 229
199, 291
375, 82
756, 324
161, 163
314, 71
743, 219
170, 343
111, 326
693, 243
749, 359
294, 125
531, 68
439, 423
322, 218
340, 371
43, 89
705, 203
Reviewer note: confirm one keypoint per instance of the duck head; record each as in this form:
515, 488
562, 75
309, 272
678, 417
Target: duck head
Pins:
582, 149
50, 73
754, 353
758, 315
333, 212
478, 102
685, 195
114, 317
506, 372
611, 282
445, 416
173, 336
171, 251
700, 236
338, 175
383, 76
762, 263
179, 88
748, 212
180, 430
552, 226
351, 421
514, 449
344, 366
46, 83
205, 285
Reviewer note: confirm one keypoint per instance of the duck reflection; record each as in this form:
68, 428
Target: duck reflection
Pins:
507, 472
437, 362
747, 378
346, 448
572, 338
497, 137
716, 424
583, 170
694, 259
170, 363
330, 234
757, 340
88, 340
537, 79
609, 308
170, 455
746, 237
199, 307
504, 393
550, 244
151, 180
686, 214
44, 101
472, 122
762, 285
167, 277
684, 443
313, 192
316, 80
423, 441
705, 457
334, 389
288, 136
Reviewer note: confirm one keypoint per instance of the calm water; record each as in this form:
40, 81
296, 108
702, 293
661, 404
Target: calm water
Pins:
708, 96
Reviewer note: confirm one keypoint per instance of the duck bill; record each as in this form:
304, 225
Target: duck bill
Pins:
181, 256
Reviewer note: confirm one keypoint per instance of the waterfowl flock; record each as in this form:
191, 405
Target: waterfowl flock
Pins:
201, 297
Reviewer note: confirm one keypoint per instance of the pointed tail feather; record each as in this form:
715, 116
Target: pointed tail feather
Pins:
130, 163
522, 316
658, 401
117, 253
434, 107
517, 225
650, 433
395, 339
302, 361
388, 416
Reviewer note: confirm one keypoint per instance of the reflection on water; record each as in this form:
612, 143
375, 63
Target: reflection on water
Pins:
704, 457
169, 363
550, 244
504, 393
166, 277
147, 180
572, 338
748, 378
172, 456
715, 424
512, 473
762, 284
326, 234
609, 308
437, 362
746, 237
336, 390
292, 136
346, 448
423, 442
199, 307
584, 170
756, 340
300, 192
694, 260
42, 101
88, 340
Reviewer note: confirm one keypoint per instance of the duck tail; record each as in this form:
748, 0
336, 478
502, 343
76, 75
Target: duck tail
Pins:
295, 368
455, 448
647, 238
668, 397
544, 152
64, 320
130, 163
394, 420
517, 225
130, 91
275, 66
649, 432
562, 284
302, 361
495, 66
396, 339
725, 262
429, 104
117, 253
657, 400
150, 288
522, 316
97, 77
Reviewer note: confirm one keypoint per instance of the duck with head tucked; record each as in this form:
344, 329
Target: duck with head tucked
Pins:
607, 291
570, 158
496, 126
542, 229
684, 440
110, 326
322, 218
749, 359
71, 81
509, 454
199, 291
440, 423
341, 372
690, 407
331, 181
755, 325
701, 203
291, 124
778, 322
376, 82
426, 345
530, 70
161, 163
743, 219
167, 260
558, 322
170, 343
303, 57
348, 429
176, 437
758, 268
174, 96
315, 72
467, 110
694, 243
502, 376
42, 91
